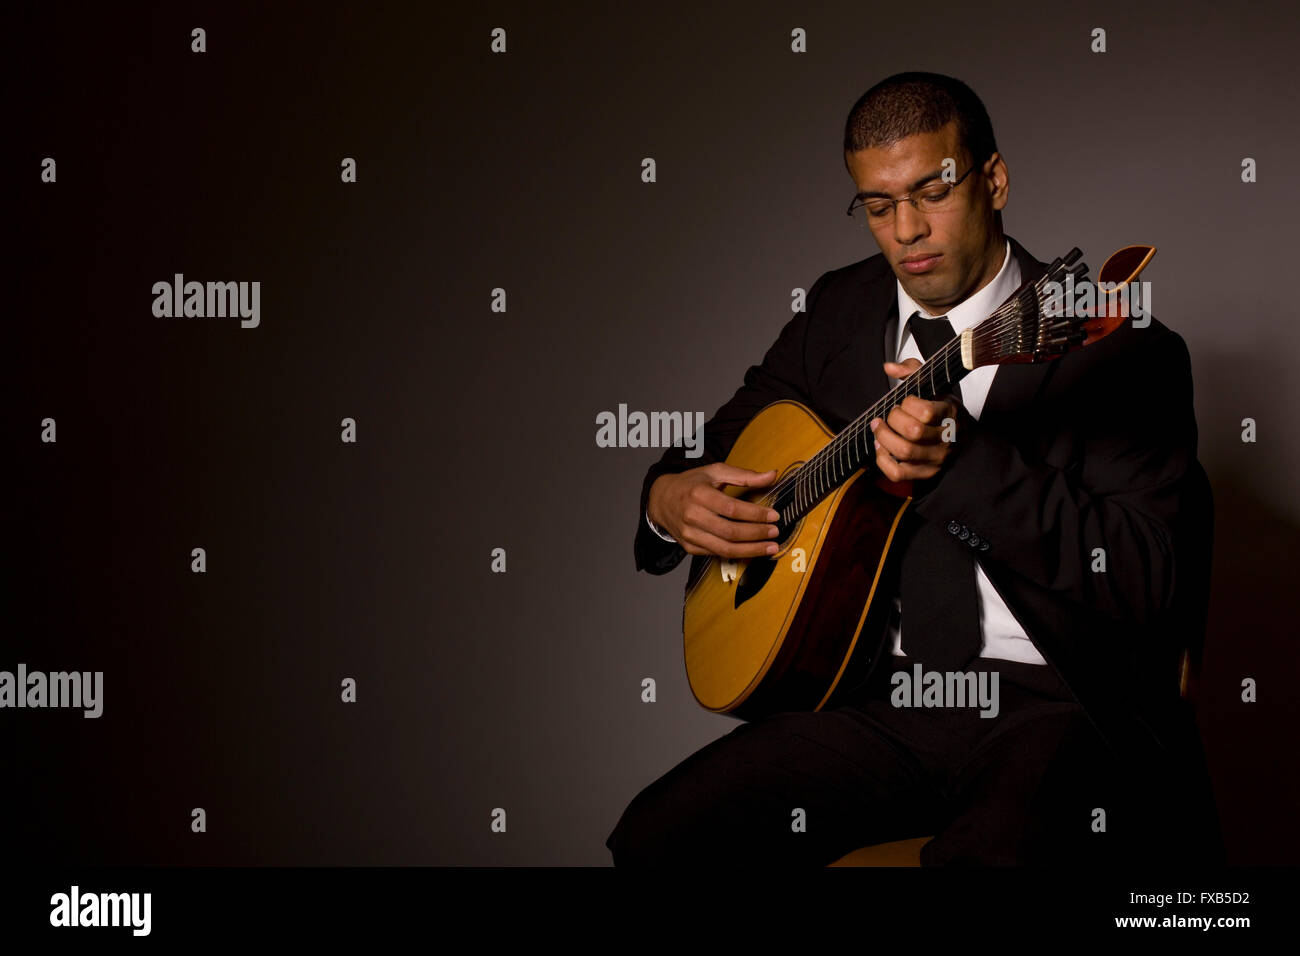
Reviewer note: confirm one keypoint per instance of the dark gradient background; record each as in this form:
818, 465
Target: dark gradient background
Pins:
477, 429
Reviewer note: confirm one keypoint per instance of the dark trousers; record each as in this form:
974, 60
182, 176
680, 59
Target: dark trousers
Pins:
1035, 785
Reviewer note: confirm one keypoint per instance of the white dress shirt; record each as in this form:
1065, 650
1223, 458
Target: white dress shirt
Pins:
1002, 636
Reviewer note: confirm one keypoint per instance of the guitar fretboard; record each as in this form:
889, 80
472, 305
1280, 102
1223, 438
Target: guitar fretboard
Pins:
1013, 330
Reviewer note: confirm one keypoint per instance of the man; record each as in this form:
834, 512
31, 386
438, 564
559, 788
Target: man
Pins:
1060, 540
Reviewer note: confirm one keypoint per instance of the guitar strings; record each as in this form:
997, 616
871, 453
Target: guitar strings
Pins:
998, 328
1003, 325
909, 386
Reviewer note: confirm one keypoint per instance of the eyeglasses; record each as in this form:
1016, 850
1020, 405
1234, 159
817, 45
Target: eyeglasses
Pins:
931, 198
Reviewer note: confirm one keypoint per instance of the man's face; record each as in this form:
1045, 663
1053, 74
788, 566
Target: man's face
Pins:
943, 256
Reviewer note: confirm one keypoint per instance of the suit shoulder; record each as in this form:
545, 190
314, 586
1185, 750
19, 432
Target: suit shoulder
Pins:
1152, 340
847, 282
872, 268
1150, 359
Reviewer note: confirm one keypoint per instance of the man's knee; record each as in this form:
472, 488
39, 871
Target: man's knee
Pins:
632, 842
672, 821
651, 832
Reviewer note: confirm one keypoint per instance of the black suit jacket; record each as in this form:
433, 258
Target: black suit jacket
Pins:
1096, 449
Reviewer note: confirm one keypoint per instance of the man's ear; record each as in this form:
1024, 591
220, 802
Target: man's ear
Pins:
999, 181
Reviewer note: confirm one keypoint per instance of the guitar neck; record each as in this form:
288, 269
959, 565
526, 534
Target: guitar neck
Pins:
1014, 332
854, 447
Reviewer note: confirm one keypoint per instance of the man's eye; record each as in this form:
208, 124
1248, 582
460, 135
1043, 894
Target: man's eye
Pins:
876, 210
934, 194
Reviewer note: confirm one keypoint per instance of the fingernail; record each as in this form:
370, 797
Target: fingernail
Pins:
772, 515
772, 548
874, 423
877, 446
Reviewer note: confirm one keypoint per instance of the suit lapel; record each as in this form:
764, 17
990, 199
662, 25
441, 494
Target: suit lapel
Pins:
852, 375
878, 317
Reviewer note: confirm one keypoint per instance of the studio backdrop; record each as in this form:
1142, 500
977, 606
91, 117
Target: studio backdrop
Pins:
337, 543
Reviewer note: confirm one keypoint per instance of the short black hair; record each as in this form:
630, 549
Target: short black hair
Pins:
909, 103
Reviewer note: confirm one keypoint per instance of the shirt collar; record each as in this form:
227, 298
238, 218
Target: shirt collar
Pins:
975, 308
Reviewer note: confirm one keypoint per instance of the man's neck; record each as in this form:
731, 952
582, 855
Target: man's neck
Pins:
994, 256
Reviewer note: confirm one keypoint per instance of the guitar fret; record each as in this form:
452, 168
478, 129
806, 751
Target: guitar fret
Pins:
846, 453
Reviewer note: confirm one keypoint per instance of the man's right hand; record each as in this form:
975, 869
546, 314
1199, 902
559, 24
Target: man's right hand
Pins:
692, 508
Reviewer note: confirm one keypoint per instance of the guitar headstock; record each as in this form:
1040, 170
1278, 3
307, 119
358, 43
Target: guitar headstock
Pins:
1059, 312
1123, 266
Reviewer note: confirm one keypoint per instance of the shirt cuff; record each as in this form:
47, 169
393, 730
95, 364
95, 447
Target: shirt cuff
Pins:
657, 530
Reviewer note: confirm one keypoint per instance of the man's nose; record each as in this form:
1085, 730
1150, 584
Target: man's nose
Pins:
909, 224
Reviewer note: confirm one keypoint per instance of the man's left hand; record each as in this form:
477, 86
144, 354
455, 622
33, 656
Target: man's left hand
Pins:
909, 441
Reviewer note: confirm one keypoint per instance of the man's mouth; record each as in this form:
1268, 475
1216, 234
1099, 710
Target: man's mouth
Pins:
923, 262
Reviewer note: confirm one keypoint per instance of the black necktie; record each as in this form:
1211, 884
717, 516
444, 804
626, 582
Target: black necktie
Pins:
931, 335
940, 602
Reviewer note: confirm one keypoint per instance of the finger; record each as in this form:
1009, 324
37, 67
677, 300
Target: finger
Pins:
903, 471
905, 452
704, 519
901, 460
894, 469
902, 369
733, 475
721, 503
928, 412
712, 544
909, 428
890, 468
891, 445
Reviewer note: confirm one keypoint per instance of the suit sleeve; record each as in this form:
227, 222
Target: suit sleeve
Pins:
783, 373
1126, 489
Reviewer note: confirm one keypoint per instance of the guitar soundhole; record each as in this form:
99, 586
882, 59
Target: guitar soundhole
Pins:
757, 571
785, 537
785, 534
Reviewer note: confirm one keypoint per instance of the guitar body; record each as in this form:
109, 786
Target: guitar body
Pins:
794, 630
